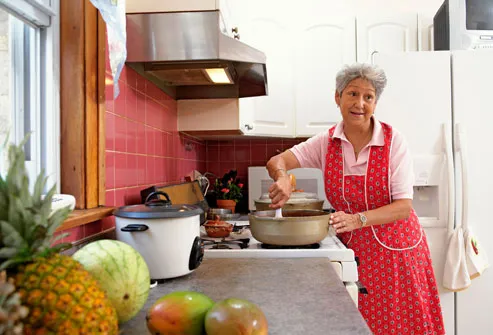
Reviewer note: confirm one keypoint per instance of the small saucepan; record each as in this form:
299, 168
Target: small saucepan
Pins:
296, 227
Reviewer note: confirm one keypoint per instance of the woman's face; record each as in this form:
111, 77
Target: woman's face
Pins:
357, 102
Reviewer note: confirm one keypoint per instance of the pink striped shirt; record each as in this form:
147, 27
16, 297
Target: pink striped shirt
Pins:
312, 153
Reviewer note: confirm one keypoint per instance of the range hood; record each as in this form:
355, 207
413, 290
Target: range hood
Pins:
187, 55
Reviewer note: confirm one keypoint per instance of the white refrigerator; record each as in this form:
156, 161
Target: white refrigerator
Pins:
429, 97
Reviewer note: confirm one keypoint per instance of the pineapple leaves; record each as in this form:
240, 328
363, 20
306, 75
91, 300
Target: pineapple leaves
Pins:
27, 225
10, 263
61, 247
10, 236
56, 219
8, 252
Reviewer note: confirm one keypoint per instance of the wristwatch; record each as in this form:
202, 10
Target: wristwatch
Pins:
363, 219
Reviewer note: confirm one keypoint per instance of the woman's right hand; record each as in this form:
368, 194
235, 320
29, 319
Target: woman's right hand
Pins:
280, 191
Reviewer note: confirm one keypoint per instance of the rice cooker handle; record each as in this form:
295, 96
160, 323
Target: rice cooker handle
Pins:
157, 201
135, 227
197, 254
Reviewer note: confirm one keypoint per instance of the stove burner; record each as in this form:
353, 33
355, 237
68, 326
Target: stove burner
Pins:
242, 243
220, 246
306, 246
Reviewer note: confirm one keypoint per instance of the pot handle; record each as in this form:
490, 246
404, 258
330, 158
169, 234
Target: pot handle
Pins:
157, 201
135, 227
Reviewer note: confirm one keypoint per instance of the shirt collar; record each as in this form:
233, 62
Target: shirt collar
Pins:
376, 138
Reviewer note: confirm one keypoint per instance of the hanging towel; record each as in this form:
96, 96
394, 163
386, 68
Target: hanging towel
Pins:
456, 275
476, 258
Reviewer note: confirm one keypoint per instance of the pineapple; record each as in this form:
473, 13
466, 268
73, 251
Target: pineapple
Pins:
11, 310
61, 296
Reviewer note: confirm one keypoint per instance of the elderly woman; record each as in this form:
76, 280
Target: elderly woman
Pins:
368, 176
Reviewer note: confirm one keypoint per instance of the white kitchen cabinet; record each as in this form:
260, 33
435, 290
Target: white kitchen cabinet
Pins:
211, 117
274, 113
385, 33
425, 32
322, 47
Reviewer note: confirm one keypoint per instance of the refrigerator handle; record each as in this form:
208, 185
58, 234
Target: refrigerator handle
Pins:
450, 176
461, 148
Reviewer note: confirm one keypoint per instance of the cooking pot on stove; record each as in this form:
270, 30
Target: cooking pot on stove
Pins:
166, 235
297, 200
296, 227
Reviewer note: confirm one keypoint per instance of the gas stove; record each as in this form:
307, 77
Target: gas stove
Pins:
241, 244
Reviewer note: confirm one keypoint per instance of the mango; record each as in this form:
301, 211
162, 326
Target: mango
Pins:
235, 317
179, 313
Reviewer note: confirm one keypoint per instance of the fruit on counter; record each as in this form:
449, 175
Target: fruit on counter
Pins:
179, 313
62, 297
120, 271
11, 310
235, 317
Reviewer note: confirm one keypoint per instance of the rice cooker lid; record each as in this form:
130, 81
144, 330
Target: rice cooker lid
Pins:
158, 209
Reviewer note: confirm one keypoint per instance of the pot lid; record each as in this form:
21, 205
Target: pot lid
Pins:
296, 197
158, 209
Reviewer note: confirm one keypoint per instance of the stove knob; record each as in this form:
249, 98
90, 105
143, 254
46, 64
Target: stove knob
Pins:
196, 255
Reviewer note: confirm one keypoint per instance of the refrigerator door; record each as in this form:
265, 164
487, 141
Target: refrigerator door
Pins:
417, 102
472, 73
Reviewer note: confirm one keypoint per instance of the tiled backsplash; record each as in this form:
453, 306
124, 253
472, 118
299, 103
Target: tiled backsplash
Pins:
143, 146
239, 154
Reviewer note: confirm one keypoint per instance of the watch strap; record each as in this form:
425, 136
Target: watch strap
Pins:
363, 219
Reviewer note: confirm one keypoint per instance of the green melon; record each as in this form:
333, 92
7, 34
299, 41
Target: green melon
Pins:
120, 271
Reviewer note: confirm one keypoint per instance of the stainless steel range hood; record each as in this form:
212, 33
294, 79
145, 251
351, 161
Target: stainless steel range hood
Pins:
182, 51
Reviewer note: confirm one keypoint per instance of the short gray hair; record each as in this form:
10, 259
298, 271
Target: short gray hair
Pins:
372, 73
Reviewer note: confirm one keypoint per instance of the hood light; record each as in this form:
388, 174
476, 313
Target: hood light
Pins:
219, 76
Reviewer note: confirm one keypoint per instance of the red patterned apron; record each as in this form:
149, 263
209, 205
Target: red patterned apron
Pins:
394, 259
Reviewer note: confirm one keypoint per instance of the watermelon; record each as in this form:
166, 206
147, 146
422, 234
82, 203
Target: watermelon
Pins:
120, 271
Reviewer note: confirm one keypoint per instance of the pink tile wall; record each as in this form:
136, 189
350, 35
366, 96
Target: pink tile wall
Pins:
239, 154
143, 146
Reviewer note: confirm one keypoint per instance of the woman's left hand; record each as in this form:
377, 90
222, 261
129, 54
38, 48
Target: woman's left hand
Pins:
343, 222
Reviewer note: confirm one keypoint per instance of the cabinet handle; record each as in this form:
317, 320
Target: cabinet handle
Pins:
373, 54
248, 127
234, 30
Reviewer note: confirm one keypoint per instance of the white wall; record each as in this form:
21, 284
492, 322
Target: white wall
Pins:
376, 6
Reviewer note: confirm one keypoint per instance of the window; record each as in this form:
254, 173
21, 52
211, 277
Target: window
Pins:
29, 83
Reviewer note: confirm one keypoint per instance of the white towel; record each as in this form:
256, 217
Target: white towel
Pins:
476, 258
456, 275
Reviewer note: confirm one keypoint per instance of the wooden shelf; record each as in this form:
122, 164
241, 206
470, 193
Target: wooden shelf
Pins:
80, 217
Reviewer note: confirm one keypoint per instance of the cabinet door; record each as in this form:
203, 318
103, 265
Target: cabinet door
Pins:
247, 115
425, 33
385, 33
262, 26
322, 47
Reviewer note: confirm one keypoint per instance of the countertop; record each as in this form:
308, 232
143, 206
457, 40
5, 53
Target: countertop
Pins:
297, 295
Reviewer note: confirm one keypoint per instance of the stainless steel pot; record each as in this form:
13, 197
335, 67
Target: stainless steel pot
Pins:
298, 200
296, 227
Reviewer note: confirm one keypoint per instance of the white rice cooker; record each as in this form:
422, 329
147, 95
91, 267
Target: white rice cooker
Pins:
166, 235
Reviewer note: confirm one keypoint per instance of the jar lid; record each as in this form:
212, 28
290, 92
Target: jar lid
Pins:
157, 209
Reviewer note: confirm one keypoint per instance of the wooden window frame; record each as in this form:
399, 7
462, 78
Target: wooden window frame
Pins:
82, 109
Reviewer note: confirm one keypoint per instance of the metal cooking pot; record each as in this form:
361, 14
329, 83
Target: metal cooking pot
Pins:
296, 227
298, 200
